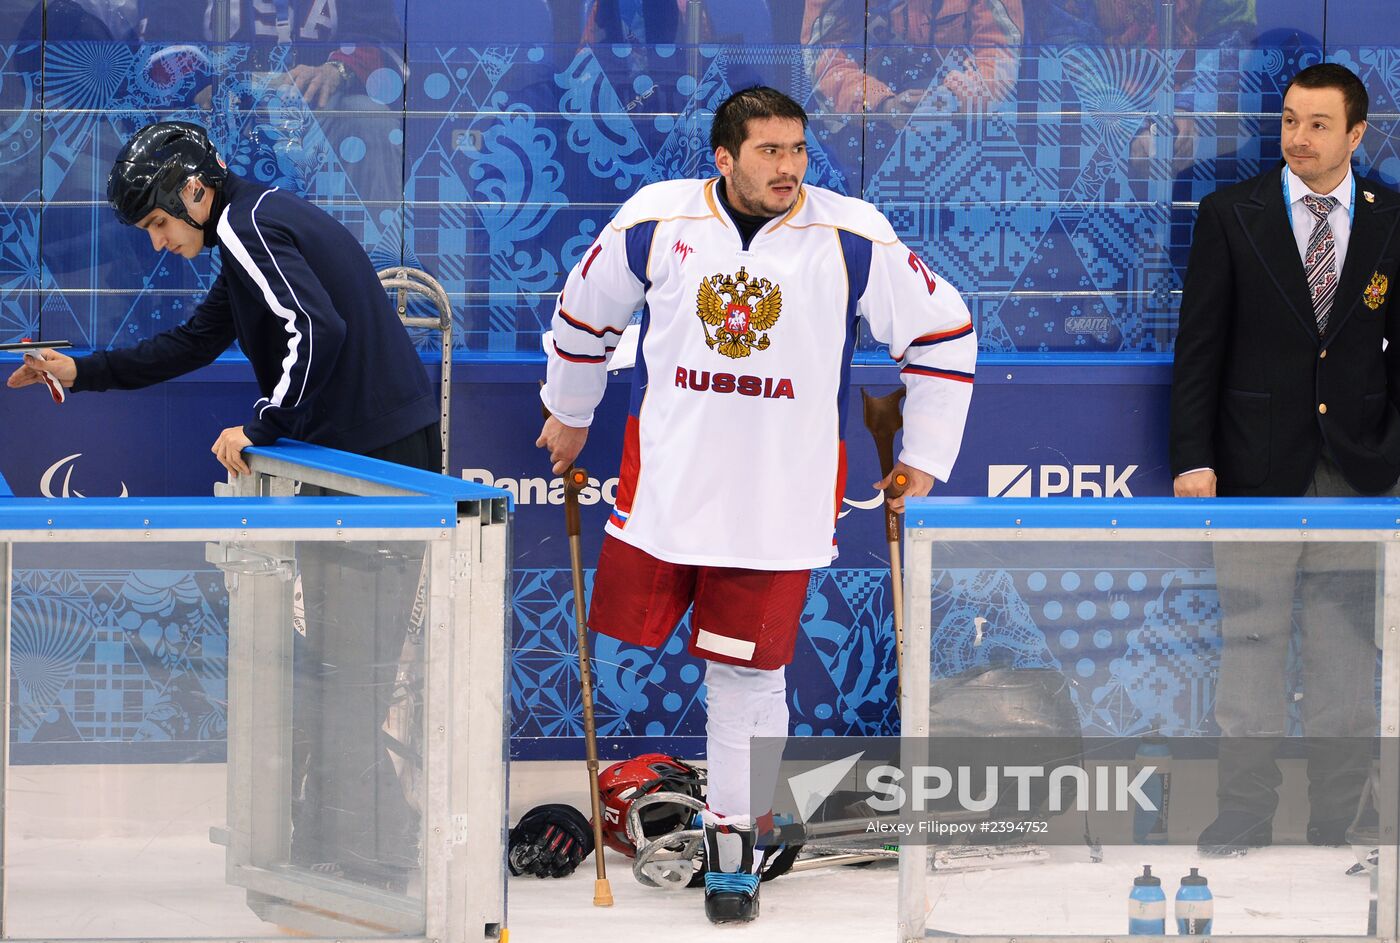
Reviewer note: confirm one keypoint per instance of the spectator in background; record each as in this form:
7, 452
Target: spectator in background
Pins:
898, 71
366, 34
87, 20
1147, 24
641, 26
310, 67
1140, 23
635, 21
647, 81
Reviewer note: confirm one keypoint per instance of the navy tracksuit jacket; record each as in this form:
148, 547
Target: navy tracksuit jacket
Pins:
334, 364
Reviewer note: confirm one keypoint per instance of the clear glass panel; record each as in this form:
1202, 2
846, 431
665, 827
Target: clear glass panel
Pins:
215, 748
357, 712
1245, 674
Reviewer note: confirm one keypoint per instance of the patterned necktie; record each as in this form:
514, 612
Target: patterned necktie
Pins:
1320, 262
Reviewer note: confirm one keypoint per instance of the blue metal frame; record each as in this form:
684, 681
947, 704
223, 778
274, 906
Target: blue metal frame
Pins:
1155, 513
56, 514
429, 484
435, 504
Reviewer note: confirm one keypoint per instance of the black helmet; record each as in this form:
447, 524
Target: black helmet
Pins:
153, 167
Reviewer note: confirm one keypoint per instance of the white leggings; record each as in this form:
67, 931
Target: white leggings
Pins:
743, 703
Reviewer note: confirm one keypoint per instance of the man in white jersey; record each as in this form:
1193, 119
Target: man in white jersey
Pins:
751, 287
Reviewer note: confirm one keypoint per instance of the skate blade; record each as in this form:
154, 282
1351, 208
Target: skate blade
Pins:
1224, 851
980, 857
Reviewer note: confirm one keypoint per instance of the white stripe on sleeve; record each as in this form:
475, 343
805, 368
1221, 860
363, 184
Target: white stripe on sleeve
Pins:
229, 240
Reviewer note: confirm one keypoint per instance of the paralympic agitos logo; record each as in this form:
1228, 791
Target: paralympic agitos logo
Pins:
66, 489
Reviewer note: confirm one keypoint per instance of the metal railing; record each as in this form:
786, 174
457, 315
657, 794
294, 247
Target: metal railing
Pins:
403, 282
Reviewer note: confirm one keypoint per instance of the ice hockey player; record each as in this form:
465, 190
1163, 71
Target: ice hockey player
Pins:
752, 287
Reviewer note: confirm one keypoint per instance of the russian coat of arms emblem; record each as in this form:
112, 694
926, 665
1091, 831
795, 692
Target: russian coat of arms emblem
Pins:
1374, 295
741, 308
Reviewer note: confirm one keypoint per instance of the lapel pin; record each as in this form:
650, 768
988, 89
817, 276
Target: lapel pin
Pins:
1370, 197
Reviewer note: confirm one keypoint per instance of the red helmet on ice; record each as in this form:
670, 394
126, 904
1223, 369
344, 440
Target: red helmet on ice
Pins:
624, 782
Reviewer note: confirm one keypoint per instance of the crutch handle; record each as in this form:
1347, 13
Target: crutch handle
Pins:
575, 480
895, 489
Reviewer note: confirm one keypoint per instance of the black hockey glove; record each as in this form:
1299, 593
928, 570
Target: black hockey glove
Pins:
550, 841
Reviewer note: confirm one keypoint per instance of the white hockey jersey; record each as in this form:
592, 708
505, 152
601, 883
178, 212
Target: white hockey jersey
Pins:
734, 453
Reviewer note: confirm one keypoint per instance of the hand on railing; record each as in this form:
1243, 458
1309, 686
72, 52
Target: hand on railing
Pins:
228, 449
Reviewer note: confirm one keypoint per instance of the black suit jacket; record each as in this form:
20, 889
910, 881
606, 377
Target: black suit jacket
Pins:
1256, 393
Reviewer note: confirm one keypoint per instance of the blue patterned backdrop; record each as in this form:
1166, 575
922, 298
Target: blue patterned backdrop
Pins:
118, 656
489, 146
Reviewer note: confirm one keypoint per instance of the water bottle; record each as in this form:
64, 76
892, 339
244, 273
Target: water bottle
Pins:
1149, 827
1147, 905
1195, 907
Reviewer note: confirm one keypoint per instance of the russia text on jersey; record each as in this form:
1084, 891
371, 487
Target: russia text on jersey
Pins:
746, 385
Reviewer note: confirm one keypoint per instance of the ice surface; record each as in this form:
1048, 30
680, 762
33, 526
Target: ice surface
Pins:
172, 886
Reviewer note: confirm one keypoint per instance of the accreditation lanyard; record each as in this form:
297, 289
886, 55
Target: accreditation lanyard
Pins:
1288, 203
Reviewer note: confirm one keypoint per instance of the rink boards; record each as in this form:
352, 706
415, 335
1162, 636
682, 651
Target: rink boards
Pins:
1038, 426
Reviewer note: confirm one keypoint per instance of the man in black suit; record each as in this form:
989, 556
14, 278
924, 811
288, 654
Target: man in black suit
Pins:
1284, 386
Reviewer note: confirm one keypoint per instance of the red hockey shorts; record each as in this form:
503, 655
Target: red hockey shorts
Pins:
742, 617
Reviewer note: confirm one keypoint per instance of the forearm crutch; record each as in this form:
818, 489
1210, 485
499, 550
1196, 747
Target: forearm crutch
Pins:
883, 419
575, 479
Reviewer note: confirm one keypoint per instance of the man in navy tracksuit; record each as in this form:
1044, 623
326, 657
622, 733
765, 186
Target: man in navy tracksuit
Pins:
296, 290
334, 367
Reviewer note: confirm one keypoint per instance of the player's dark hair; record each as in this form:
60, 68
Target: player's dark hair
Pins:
1331, 75
732, 117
